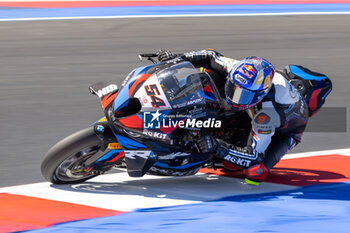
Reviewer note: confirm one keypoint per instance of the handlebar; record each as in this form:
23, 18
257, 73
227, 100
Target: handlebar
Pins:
147, 55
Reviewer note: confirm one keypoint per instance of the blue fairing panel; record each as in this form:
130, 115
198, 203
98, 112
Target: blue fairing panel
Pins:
108, 155
165, 165
123, 95
129, 143
301, 73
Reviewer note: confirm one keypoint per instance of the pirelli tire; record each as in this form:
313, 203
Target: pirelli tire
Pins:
83, 143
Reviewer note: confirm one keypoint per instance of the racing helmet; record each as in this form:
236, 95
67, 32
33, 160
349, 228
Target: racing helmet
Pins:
248, 82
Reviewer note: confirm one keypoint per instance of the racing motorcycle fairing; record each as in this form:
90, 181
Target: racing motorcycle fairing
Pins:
166, 92
141, 124
139, 161
313, 86
130, 107
173, 91
105, 92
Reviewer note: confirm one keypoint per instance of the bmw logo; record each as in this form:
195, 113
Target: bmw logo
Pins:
100, 128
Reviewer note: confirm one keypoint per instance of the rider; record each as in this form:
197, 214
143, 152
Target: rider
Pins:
279, 113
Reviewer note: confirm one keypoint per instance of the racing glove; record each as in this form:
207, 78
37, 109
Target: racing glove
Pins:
206, 144
164, 55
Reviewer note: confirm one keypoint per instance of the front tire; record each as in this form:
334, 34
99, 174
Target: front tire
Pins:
64, 162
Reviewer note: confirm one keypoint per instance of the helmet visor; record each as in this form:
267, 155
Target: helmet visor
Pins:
238, 95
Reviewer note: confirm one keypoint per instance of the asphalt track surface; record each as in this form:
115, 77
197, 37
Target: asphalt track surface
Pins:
47, 66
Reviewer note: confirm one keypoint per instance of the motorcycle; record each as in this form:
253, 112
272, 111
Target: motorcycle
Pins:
153, 120
150, 126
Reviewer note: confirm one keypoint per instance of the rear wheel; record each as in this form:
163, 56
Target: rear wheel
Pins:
65, 162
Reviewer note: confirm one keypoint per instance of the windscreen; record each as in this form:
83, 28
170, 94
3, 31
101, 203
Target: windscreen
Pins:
182, 85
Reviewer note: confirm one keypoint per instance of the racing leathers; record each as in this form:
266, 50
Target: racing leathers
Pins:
278, 122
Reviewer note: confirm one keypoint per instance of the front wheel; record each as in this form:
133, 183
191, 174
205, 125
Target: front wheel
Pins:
65, 162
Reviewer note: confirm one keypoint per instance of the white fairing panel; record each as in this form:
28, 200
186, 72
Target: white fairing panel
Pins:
146, 100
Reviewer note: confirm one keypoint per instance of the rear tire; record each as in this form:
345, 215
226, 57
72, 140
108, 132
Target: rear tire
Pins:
70, 152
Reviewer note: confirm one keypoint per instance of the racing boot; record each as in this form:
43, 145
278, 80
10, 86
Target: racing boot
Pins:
255, 174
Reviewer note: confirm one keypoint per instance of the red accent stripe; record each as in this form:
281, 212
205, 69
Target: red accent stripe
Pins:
142, 78
82, 4
313, 99
108, 99
121, 155
208, 89
303, 171
21, 213
133, 121
167, 130
230, 166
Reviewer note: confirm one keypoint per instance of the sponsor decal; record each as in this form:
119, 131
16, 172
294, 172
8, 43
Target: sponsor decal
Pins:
114, 146
131, 133
264, 131
238, 161
197, 111
152, 120
195, 101
247, 71
180, 105
128, 77
154, 134
174, 155
144, 99
106, 90
262, 118
241, 79
264, 127
132, 154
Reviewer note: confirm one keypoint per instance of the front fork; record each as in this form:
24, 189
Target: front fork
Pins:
110, 152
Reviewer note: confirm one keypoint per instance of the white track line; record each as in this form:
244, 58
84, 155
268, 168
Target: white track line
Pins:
120, 192
175, 16
345, 151
124, 193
